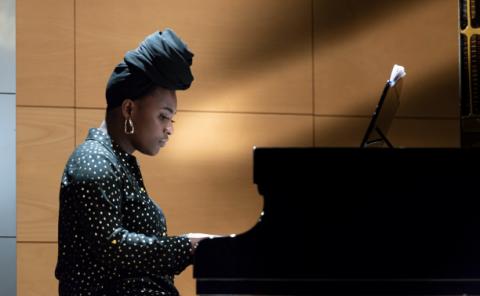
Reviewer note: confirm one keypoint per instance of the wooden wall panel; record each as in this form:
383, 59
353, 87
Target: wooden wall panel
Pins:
349, 132
425, 133
205, 177
36, 269
185, 282
45, 53
357, 43
253, 56
339, 131
86, 119
45, 139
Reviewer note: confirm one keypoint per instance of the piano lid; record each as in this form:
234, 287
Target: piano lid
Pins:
354, 214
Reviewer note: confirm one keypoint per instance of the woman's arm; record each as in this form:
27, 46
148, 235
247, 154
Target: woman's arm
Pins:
97, 199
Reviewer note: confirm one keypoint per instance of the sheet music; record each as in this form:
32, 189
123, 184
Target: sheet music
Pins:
397, 73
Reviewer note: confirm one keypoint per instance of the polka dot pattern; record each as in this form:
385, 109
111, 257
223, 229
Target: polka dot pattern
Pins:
112, 237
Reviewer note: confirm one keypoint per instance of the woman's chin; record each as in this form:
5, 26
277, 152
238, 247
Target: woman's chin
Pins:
155, 151
151, 151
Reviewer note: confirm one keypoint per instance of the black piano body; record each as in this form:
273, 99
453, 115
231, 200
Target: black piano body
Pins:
352, 221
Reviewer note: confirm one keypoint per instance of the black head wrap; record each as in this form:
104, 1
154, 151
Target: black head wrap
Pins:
162, 59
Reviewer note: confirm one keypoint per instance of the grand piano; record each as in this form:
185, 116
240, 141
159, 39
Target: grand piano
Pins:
352, 221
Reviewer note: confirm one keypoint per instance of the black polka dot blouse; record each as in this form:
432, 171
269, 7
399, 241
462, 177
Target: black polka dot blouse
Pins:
112, 237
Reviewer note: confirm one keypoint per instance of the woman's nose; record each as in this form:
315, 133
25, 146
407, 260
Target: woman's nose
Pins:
169, 129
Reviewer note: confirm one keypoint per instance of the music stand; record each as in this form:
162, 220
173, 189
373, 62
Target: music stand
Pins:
382, 118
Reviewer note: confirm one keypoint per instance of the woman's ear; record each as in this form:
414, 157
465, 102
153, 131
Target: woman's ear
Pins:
127, 108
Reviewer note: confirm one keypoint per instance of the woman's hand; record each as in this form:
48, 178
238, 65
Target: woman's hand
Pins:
195, 238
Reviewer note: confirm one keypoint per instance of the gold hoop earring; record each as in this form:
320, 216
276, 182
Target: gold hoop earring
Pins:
129, 128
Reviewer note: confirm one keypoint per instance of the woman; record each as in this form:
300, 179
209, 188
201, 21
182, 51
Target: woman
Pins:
112, 236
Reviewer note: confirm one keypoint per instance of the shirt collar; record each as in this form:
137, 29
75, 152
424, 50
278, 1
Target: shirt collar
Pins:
100, 136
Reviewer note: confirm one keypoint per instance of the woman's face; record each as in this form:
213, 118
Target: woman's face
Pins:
152, 118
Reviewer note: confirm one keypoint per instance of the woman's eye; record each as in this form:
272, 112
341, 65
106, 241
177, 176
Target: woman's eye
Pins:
163, 117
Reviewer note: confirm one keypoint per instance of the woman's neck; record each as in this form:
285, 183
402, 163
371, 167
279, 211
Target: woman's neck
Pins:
117, 134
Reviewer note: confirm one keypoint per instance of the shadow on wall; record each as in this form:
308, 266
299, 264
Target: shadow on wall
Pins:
287, 34
329, 28
417, 98
286, 39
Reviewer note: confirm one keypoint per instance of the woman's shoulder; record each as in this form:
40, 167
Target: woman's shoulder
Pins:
93, 150
92, 159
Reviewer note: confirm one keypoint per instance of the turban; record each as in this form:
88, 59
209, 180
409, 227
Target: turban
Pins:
162, 59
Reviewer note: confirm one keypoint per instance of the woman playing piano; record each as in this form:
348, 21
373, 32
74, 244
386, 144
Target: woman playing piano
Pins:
112, 236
